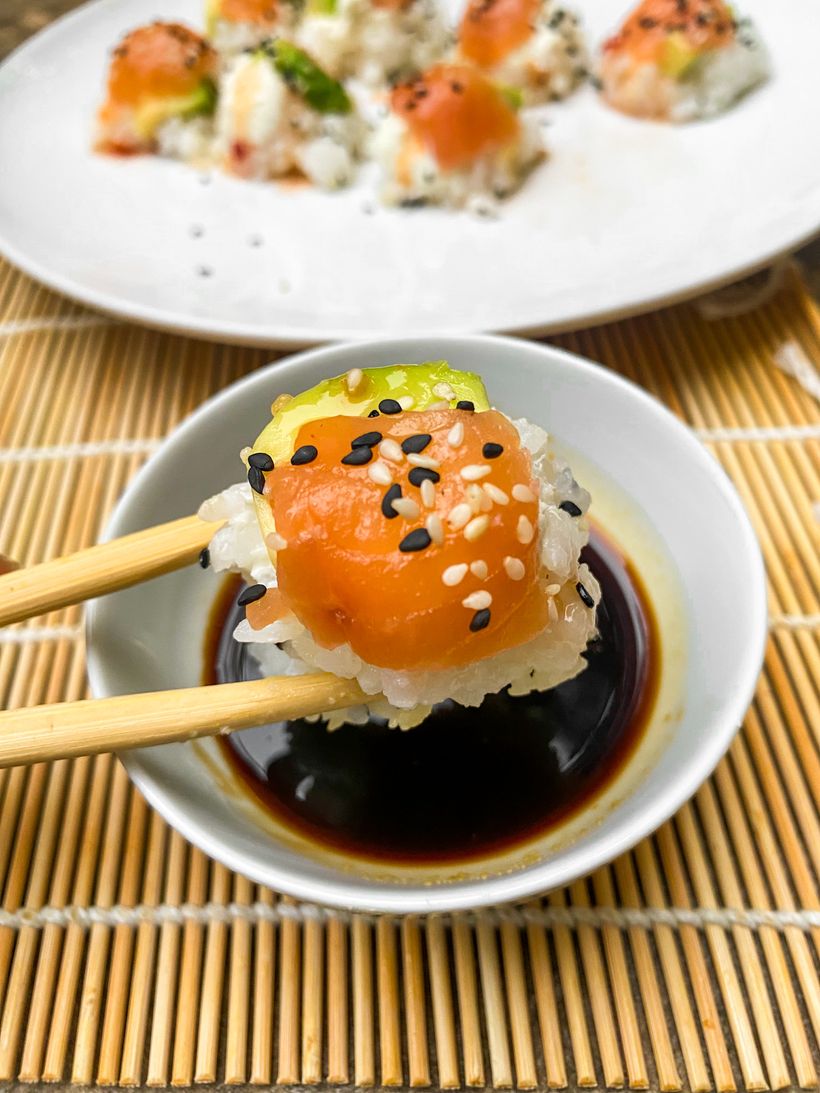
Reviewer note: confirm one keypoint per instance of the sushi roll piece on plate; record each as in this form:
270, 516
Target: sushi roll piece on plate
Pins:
452, 137
397, 530
681, 60
534, 46
280, 114
161, 94
234, 25
377, 41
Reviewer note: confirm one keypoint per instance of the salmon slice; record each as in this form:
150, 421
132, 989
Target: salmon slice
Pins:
161, 60
701, 24
491, 29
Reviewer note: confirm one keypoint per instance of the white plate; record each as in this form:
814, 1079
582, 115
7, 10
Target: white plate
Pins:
627, 214
668, 504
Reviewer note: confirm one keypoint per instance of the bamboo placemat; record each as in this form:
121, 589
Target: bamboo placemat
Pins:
126, 957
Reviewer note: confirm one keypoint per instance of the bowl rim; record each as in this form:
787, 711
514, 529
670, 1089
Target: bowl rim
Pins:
350, 892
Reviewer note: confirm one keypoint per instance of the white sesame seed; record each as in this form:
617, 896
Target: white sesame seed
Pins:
473, 471
479, 569
428, 494
406, 507
524, 532
380, 473
442, 405
444, 390
522, 493
485, 503
435, 528
243, 455
423, 461
495, 493
454, 574
476, 527
514, 567
459, 516
275, 541
477, 601
389, 449
474, 498
353, 379
407, 402
456, 435
553, 589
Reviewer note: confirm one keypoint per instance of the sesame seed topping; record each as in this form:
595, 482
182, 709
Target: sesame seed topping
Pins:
476, 528
260, 460
407, 402
492, 450
428, 493
373, 413
250, 594
454, 574
570, 508
389, 406
416, 443
585, 596
416, 540
524, 531
423, 461
465, 404
380, 473
353, 379
358, 457
480, 620
407, 508
435, 528
392, 495
514, 568
366, 440
495, 493
553, 589
389, 449
444, 390
306, 454
256, 479
419, 475
459, 516
479, 569
275, 541
205, 557
473, 471
477, 601
522, 493
456, 435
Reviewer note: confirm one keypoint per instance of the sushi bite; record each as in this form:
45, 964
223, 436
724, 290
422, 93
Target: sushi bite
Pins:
280, 113
453, 137
376, 40
681, 60
161, 93
234, 25
397, 530
535, 47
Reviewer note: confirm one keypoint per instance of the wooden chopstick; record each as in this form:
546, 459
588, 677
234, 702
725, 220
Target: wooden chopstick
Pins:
102, 568
63, 730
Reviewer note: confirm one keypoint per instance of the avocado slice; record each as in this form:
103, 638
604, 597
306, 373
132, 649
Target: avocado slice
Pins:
333, 398
678, 56
302, 75
322, 7
151, 113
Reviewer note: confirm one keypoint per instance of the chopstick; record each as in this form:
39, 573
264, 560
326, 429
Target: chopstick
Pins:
102, 568
36, 734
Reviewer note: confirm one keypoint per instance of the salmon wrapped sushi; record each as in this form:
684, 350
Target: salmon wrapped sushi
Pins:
453, 137
533, 46
397, 530
681, 60
161, 94
234, 25
280, 113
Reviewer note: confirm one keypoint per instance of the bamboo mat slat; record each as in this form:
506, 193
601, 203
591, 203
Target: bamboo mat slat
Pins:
128, 958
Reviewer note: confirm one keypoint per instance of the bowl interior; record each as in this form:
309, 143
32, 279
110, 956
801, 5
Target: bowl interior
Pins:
654, 487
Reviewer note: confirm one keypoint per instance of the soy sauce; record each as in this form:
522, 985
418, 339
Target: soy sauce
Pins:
467, 782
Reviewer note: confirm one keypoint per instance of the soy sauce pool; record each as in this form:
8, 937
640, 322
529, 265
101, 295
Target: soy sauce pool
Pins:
467, 782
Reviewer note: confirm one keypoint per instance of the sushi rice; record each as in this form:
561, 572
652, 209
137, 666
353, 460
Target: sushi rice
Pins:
405, 698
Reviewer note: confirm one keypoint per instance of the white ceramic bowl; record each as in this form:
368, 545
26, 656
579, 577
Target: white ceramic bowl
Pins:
655, 488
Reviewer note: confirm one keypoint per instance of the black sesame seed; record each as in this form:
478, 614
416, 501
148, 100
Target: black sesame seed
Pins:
570, 507
366, 440
416, 540
256, 479
480, 620
358, 457
251, 594
373, 413
465, 404
389, 406
647, 22
415, 443
492, 450
261, 460
585, 596
421, 474
205, 558
393, 494
306, 454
